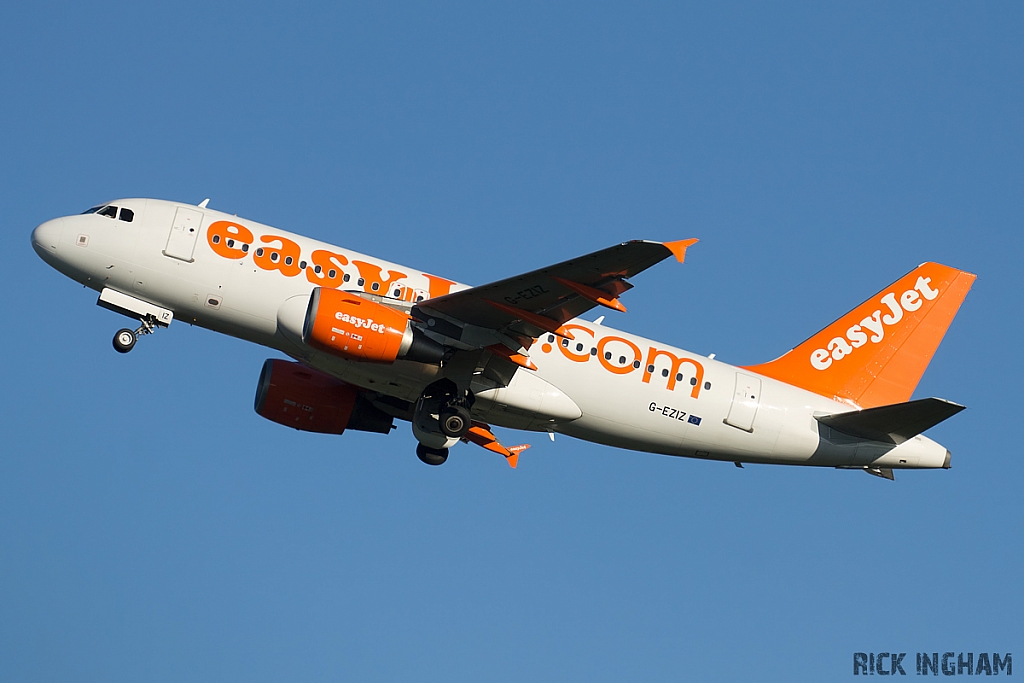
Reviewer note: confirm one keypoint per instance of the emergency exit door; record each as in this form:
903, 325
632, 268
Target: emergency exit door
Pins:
745, 399
184, 232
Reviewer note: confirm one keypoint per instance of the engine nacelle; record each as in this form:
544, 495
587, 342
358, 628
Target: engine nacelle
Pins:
355, 328
293, 395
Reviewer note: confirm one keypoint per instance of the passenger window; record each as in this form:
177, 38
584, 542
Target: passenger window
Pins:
108, 211
127, 215
347, 277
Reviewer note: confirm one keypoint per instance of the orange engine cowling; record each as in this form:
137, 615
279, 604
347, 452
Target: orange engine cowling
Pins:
355, 328
293, 395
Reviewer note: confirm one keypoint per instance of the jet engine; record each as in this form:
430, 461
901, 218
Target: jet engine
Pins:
355, 328
293, 395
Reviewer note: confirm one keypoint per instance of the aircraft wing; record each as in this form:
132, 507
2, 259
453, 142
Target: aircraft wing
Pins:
510, 313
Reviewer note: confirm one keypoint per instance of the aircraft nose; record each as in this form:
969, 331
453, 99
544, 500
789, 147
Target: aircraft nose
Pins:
46, 237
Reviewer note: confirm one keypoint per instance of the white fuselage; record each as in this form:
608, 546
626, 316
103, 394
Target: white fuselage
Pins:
689, 405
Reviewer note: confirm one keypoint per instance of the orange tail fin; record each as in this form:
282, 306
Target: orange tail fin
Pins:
875, 354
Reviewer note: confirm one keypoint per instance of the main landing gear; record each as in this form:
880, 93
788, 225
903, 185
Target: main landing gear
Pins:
124, 340
431, 456
441, 418
455, 420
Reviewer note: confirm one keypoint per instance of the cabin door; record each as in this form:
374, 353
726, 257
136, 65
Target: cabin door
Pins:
745, 399
184, 232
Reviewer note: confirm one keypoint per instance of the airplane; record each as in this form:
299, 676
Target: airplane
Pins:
373, 342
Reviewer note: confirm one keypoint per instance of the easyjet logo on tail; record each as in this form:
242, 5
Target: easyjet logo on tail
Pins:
872, 328
875, 354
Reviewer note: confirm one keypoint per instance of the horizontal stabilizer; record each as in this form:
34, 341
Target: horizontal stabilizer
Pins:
893, 423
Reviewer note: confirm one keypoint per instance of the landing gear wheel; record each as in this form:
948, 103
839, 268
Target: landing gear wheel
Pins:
124, 340
431, 456
455, 421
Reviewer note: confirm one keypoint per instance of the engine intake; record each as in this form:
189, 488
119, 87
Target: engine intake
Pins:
293, 395
355, 328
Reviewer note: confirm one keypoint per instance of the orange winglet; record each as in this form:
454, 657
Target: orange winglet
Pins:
513, 459
678, 248
517, 358
542, 321
592, 293
481, 435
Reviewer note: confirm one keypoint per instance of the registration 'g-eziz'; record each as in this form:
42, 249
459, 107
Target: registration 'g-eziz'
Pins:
373, 342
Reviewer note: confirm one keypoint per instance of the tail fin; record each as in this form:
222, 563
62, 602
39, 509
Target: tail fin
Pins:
875, 354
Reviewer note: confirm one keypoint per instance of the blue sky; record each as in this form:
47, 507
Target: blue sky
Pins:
153, 527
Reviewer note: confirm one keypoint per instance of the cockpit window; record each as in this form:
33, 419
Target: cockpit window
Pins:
111, 211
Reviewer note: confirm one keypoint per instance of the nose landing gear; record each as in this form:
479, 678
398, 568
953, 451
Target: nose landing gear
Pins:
124, 340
